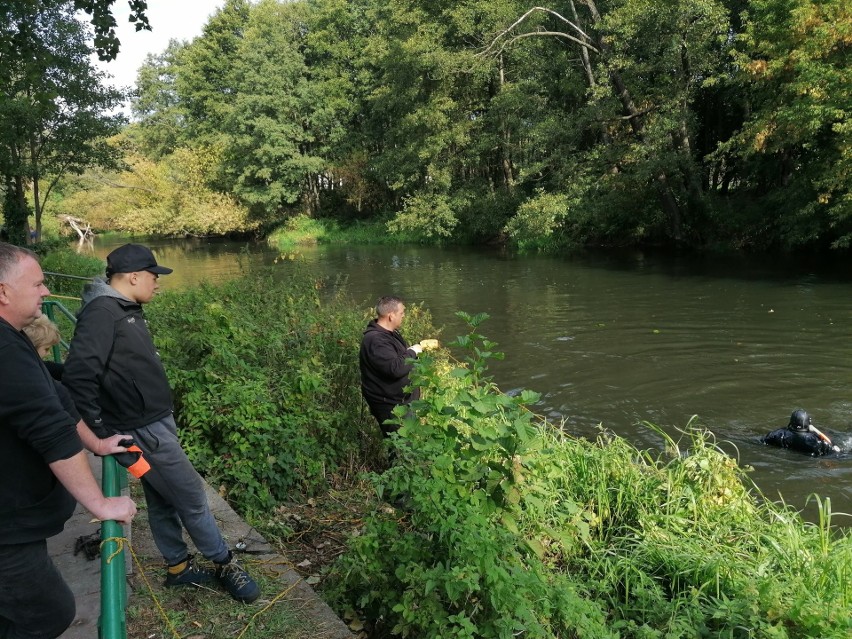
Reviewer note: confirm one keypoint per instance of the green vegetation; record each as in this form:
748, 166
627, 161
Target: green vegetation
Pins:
306, 231
699, 123
62, 260
696, 122
168, 197
54, 107
501, 524
506, 527
266, 383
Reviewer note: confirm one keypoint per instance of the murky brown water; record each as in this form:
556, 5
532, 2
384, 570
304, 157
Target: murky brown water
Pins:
621, 338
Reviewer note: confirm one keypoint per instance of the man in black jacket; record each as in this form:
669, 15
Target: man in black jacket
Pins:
43, 468
120, 386
384, 364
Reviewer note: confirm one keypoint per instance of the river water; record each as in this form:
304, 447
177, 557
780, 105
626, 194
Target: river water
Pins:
621, 338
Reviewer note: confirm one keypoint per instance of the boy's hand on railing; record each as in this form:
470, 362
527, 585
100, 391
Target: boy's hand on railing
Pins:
112, 445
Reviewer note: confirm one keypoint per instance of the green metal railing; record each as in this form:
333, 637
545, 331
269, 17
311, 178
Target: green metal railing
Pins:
112, 622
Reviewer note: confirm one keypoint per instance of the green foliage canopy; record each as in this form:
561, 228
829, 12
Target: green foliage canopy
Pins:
696, 122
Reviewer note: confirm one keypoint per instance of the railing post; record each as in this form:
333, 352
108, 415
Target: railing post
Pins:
112, 623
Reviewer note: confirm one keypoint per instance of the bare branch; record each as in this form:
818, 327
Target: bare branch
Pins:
636, 114
583, 40
558, 34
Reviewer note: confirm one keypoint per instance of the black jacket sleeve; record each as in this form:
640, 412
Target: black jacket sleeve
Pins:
30, 405
67, 402
387, 359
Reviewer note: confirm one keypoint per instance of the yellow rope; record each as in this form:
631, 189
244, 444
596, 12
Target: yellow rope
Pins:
121, 541
175, 633
281, 594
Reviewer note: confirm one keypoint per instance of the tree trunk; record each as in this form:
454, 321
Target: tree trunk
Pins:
667, 200
36, 189
584, 52
505, 133
15, 211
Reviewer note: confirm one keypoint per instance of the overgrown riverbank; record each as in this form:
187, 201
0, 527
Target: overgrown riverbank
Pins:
491, 522
306, 231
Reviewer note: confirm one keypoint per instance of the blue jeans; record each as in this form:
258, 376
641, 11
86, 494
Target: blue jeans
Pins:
175, 495
35, 602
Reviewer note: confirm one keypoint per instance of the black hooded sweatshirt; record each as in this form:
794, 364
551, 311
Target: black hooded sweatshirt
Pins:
113, 370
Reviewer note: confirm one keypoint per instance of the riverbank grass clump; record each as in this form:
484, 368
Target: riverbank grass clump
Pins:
302, 231
503, 527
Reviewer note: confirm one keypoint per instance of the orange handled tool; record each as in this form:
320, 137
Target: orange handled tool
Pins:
132, 460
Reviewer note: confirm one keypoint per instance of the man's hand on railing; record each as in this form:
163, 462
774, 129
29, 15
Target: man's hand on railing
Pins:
121, 509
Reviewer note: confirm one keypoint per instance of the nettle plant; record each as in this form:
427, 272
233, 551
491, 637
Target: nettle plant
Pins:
455, 565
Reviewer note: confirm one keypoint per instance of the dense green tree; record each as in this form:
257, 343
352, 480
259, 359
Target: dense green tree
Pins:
585, 121
644, 65
794, 151
269, 129
53, 106
205, 78
338, 58
107, 43
156, 107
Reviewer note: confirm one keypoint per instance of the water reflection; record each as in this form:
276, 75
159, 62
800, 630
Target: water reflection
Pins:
620, 338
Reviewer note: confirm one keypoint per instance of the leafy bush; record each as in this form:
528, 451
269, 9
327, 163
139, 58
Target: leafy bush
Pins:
303, 231
506, 527
68, 262
165, 197
425, 215
537, 222
265, 376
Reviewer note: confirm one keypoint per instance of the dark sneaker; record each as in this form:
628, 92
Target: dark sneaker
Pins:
237, 581
191, 575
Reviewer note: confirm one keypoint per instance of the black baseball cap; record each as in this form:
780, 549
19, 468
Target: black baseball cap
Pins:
131, 258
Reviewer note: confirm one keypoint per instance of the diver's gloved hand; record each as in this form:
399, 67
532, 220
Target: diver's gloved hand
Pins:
132, 460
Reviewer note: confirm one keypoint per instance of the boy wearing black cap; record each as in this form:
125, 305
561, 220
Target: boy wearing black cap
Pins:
119, 385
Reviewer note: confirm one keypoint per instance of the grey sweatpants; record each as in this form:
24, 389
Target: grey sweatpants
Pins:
175, 495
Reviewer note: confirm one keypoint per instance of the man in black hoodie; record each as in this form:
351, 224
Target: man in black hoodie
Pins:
43, 468
119, 385
384, 362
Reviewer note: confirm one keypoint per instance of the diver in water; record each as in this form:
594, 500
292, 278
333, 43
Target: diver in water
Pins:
801, 435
